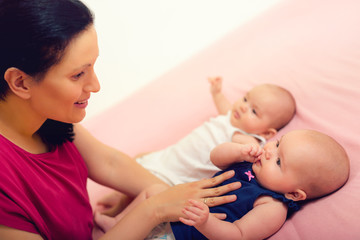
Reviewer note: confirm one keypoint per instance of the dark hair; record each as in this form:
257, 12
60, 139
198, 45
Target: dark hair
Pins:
34, 35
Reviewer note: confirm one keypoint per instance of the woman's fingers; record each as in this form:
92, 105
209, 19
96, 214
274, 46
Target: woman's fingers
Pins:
215, 201
212, 195
211, 182
171, 202
220, 216
221, 190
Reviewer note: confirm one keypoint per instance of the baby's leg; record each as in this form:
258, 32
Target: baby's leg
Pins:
113, 203
103, 221
106, 222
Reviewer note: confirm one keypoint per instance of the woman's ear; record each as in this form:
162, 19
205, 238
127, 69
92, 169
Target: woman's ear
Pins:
297, 195
269, 133
18, 81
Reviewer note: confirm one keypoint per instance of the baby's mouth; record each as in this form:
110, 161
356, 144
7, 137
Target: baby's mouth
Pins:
236, 114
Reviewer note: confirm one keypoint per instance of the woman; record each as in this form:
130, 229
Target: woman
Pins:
48, 51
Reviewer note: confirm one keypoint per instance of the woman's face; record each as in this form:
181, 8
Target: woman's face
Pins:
64, 91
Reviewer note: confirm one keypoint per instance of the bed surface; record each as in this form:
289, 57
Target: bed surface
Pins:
312, 48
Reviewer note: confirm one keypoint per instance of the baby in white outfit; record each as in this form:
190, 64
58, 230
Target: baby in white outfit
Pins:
255, 117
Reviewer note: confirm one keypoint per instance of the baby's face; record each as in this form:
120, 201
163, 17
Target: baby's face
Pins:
280, 164
260, 109
304, 164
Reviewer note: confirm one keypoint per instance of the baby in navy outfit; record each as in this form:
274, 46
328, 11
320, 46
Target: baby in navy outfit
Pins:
302, 165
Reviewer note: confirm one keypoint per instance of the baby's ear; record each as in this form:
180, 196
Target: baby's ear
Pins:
269, 133
297, 195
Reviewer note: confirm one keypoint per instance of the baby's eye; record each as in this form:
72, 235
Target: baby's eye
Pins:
277, 143
254, 111
245, 100
278, 162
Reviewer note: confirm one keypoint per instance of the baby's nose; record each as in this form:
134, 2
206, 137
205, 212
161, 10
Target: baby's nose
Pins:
243, 108
268, 153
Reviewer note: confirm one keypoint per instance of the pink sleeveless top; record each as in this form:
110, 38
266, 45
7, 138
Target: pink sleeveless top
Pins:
45, 193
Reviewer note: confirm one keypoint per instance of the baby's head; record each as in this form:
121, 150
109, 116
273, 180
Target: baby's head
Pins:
304, 164
264, 110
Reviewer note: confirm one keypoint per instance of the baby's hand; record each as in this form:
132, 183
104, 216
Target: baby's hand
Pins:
252, 152
216, 85
197, 213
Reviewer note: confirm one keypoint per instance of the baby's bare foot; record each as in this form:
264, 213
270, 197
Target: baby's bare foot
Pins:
104, 222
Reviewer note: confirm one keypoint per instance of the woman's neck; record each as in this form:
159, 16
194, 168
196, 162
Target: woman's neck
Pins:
19, 125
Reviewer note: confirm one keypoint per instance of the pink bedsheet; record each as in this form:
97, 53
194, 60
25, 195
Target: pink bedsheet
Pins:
310, 47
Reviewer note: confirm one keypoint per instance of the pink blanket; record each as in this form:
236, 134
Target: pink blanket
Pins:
311, 48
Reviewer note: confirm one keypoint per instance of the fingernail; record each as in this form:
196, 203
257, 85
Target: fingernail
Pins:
231, 172
232, 197
235, 186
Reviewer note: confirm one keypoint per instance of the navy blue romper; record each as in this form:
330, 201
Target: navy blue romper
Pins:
246, 196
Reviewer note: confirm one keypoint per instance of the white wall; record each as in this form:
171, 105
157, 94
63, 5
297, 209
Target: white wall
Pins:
140, 40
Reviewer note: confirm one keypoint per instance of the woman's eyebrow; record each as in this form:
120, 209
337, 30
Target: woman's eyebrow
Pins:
83, 66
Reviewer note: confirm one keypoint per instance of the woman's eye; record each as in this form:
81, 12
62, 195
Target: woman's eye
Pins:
278, 162
245, 100
277, 143
77, 76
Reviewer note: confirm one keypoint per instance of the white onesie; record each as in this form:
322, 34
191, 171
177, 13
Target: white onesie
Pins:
189, 159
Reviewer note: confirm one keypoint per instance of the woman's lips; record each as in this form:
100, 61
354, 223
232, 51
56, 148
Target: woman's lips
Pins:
82, 104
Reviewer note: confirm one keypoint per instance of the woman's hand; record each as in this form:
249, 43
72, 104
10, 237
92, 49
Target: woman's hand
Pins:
169, 204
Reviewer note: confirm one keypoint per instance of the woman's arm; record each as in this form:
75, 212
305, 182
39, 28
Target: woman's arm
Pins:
117, 170
14, 234
111, 167
167, 206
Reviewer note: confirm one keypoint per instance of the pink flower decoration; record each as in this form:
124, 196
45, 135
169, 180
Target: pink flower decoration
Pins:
249, 174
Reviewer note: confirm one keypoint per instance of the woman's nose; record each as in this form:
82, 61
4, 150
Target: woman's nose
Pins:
93, 84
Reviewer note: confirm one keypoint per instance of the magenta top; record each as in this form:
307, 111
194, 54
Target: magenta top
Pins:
45, 193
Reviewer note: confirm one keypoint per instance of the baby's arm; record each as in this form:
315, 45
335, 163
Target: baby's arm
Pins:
229, 153
265, 219
262, 221
222, 104
244, 138
199, 216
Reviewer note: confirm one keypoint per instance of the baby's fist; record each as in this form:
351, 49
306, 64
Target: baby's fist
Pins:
253, 152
